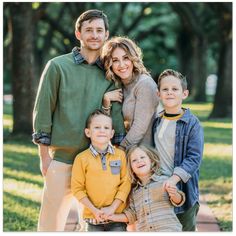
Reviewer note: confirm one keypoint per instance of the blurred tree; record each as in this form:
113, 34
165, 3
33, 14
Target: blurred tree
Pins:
223, 97
21, 18
192, 45
182, 36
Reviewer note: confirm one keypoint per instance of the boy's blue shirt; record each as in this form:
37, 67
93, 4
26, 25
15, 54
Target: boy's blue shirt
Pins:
189, 142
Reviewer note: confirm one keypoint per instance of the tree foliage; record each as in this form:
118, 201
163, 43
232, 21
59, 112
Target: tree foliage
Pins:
182, 36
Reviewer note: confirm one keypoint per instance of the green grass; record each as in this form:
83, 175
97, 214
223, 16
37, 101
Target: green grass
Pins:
22, 183
216, 168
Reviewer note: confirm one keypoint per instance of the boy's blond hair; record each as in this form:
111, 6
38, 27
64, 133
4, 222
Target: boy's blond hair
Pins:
176, 74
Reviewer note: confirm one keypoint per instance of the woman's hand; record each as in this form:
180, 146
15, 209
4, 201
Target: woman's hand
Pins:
112, 96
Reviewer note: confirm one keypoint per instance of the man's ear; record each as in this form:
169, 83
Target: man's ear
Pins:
77, 34
158, 93
107, 35
87, 132
185, 94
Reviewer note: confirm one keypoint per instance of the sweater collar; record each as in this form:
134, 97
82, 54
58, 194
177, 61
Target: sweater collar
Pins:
110, 149
79, 59
184, 117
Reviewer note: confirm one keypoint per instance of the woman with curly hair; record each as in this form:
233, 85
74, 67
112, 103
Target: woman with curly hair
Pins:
123, 64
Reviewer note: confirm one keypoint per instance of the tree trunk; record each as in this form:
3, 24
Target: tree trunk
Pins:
22, 66
194, 49
200, 67
185, 55
223, 98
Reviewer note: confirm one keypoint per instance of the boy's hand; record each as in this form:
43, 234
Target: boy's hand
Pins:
173, 193
111, 217
98, 213
171, 190
108, 212
172, 181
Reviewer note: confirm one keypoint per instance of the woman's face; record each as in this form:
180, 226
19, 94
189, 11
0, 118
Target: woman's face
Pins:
122, 66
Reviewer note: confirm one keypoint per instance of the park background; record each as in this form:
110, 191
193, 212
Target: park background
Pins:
194, 38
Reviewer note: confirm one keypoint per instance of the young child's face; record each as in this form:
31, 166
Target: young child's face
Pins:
172, 94
140, 163
100, 130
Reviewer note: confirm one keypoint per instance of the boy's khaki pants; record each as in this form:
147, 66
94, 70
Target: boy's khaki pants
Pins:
57, 197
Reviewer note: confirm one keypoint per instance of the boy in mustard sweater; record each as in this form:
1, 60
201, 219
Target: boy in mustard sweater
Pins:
99, 176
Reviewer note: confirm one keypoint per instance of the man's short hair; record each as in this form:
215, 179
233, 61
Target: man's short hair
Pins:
91, 15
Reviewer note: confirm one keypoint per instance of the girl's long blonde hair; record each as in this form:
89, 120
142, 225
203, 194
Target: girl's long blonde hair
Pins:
151, 153
134, 53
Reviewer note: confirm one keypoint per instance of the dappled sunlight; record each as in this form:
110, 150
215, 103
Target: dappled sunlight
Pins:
223, 151
22, 164
23, 176
23, 189
202, 111
216, 167
19, 212
21, 149
200, 107
217, 136
220, 185
7, 123
212, 124
23, 183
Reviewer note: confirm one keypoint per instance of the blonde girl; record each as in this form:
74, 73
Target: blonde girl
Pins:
151, 204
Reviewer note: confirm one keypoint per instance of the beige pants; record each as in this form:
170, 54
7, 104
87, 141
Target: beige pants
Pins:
56, 199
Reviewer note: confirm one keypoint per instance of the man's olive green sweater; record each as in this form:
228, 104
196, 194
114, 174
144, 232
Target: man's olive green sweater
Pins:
68, 93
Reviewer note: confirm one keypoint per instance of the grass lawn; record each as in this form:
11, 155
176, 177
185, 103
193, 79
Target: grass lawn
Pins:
216, 168
22, 182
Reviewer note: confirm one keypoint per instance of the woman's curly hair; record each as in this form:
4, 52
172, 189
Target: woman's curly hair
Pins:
134, 53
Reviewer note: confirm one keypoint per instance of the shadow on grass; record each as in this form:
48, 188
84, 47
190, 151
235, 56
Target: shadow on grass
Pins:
17, 138
218, 135
14, 221
221, 201
212, 169
22, 179
23, 162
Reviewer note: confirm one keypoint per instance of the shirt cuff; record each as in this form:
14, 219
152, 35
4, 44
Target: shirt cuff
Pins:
125, 144
185, 176
80, 195
183, 198
41, 138
121, 196
131, 217
118, 138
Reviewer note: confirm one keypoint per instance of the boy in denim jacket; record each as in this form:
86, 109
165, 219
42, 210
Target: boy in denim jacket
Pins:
178, 138
99, 176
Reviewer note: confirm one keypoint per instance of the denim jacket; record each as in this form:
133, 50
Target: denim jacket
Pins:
189, 142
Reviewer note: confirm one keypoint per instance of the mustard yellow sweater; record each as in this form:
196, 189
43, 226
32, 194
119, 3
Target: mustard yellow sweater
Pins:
100, 186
